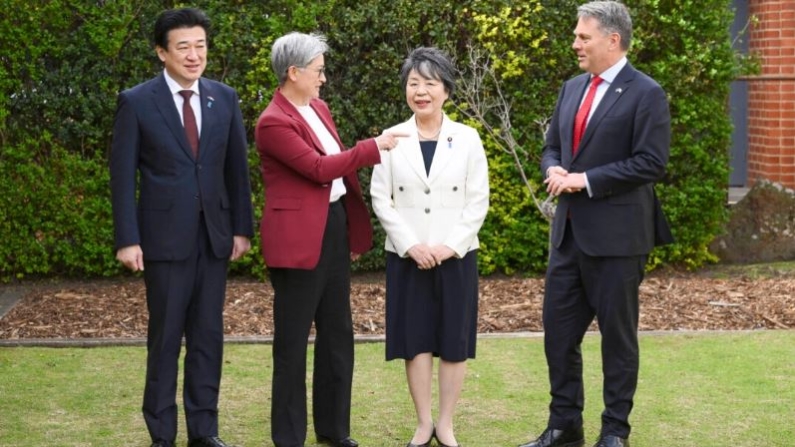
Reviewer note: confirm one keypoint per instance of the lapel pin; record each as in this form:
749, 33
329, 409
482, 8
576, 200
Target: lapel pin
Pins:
618, 90
210, 100
449, 142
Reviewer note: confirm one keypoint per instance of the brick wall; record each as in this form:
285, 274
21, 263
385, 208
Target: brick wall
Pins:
771, 95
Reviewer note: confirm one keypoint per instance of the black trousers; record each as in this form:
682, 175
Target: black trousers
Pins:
185, 298
579, 287
322, 296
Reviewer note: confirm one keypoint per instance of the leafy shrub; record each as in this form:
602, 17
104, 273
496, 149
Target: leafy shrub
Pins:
64, 62
60, 208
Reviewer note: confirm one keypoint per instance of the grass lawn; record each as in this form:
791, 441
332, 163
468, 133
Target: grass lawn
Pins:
711, 389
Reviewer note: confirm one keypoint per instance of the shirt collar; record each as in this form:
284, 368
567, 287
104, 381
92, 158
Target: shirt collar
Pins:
610, 74
176, 88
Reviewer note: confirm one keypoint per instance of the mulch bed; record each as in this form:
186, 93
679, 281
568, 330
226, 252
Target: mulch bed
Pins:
669, 301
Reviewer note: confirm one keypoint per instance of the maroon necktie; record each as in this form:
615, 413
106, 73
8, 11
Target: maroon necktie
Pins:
582, 115
189, 121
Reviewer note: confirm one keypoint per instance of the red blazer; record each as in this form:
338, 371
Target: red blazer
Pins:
297, 176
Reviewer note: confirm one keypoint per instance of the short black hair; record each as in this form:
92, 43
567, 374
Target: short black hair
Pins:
430, 63
179, 18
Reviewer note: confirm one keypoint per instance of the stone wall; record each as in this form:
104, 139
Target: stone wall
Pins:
761, 227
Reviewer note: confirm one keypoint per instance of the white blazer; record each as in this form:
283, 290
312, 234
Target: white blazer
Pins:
447, 206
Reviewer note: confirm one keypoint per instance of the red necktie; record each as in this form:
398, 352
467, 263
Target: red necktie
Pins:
582, 115
189, 121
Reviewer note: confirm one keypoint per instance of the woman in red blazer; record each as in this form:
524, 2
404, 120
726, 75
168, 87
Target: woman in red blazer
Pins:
314, 223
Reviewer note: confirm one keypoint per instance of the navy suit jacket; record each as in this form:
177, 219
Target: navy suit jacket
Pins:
624, 150
158, 188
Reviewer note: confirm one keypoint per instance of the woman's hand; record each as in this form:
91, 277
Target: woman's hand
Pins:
428, 257
388, 140
422, 255
442, 253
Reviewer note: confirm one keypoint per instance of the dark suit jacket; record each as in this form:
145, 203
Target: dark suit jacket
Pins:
297, 176
623, 152
150, 153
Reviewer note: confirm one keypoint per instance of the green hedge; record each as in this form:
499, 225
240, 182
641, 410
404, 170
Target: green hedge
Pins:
65, 61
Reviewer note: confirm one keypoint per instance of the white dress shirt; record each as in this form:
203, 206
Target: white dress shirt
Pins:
195, 99
329, 144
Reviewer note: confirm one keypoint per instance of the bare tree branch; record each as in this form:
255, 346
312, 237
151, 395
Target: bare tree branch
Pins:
484, 104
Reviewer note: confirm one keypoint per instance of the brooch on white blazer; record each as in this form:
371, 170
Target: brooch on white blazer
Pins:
449, 142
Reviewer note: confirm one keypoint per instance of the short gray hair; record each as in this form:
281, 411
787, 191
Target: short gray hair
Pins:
295, 49
430, 63
613, 17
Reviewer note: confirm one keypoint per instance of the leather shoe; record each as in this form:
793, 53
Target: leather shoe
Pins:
210, 441
344, 442
426, 443
558, 438
162, 444
441, 444
612, 441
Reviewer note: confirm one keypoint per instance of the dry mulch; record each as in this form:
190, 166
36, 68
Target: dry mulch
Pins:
669, 301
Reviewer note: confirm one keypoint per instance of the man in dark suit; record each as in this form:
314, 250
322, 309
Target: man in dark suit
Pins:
607, 144
181, 205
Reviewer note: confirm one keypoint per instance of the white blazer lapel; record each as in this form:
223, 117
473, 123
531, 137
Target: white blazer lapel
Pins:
410, 150
445, 148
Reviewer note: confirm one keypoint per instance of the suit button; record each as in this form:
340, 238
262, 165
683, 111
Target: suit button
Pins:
400, 188
455, 188
196, 197
427, 211
427, 190
199, 167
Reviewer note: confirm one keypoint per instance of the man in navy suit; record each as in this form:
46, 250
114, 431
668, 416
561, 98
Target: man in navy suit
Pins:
607, 144
181, 205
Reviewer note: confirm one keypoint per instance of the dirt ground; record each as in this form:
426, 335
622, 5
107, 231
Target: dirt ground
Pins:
669, 301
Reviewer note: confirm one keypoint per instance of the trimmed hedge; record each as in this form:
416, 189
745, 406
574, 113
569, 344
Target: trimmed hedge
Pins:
65, 61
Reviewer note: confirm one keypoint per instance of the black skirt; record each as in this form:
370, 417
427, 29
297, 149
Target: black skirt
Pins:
432, 310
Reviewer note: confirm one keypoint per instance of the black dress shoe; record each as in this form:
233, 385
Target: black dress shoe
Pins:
162, 444
441, 444
210, 441
558, 438
612, 441
344, 442
425, 444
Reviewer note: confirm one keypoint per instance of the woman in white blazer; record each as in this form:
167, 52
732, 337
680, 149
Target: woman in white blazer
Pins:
431, 195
